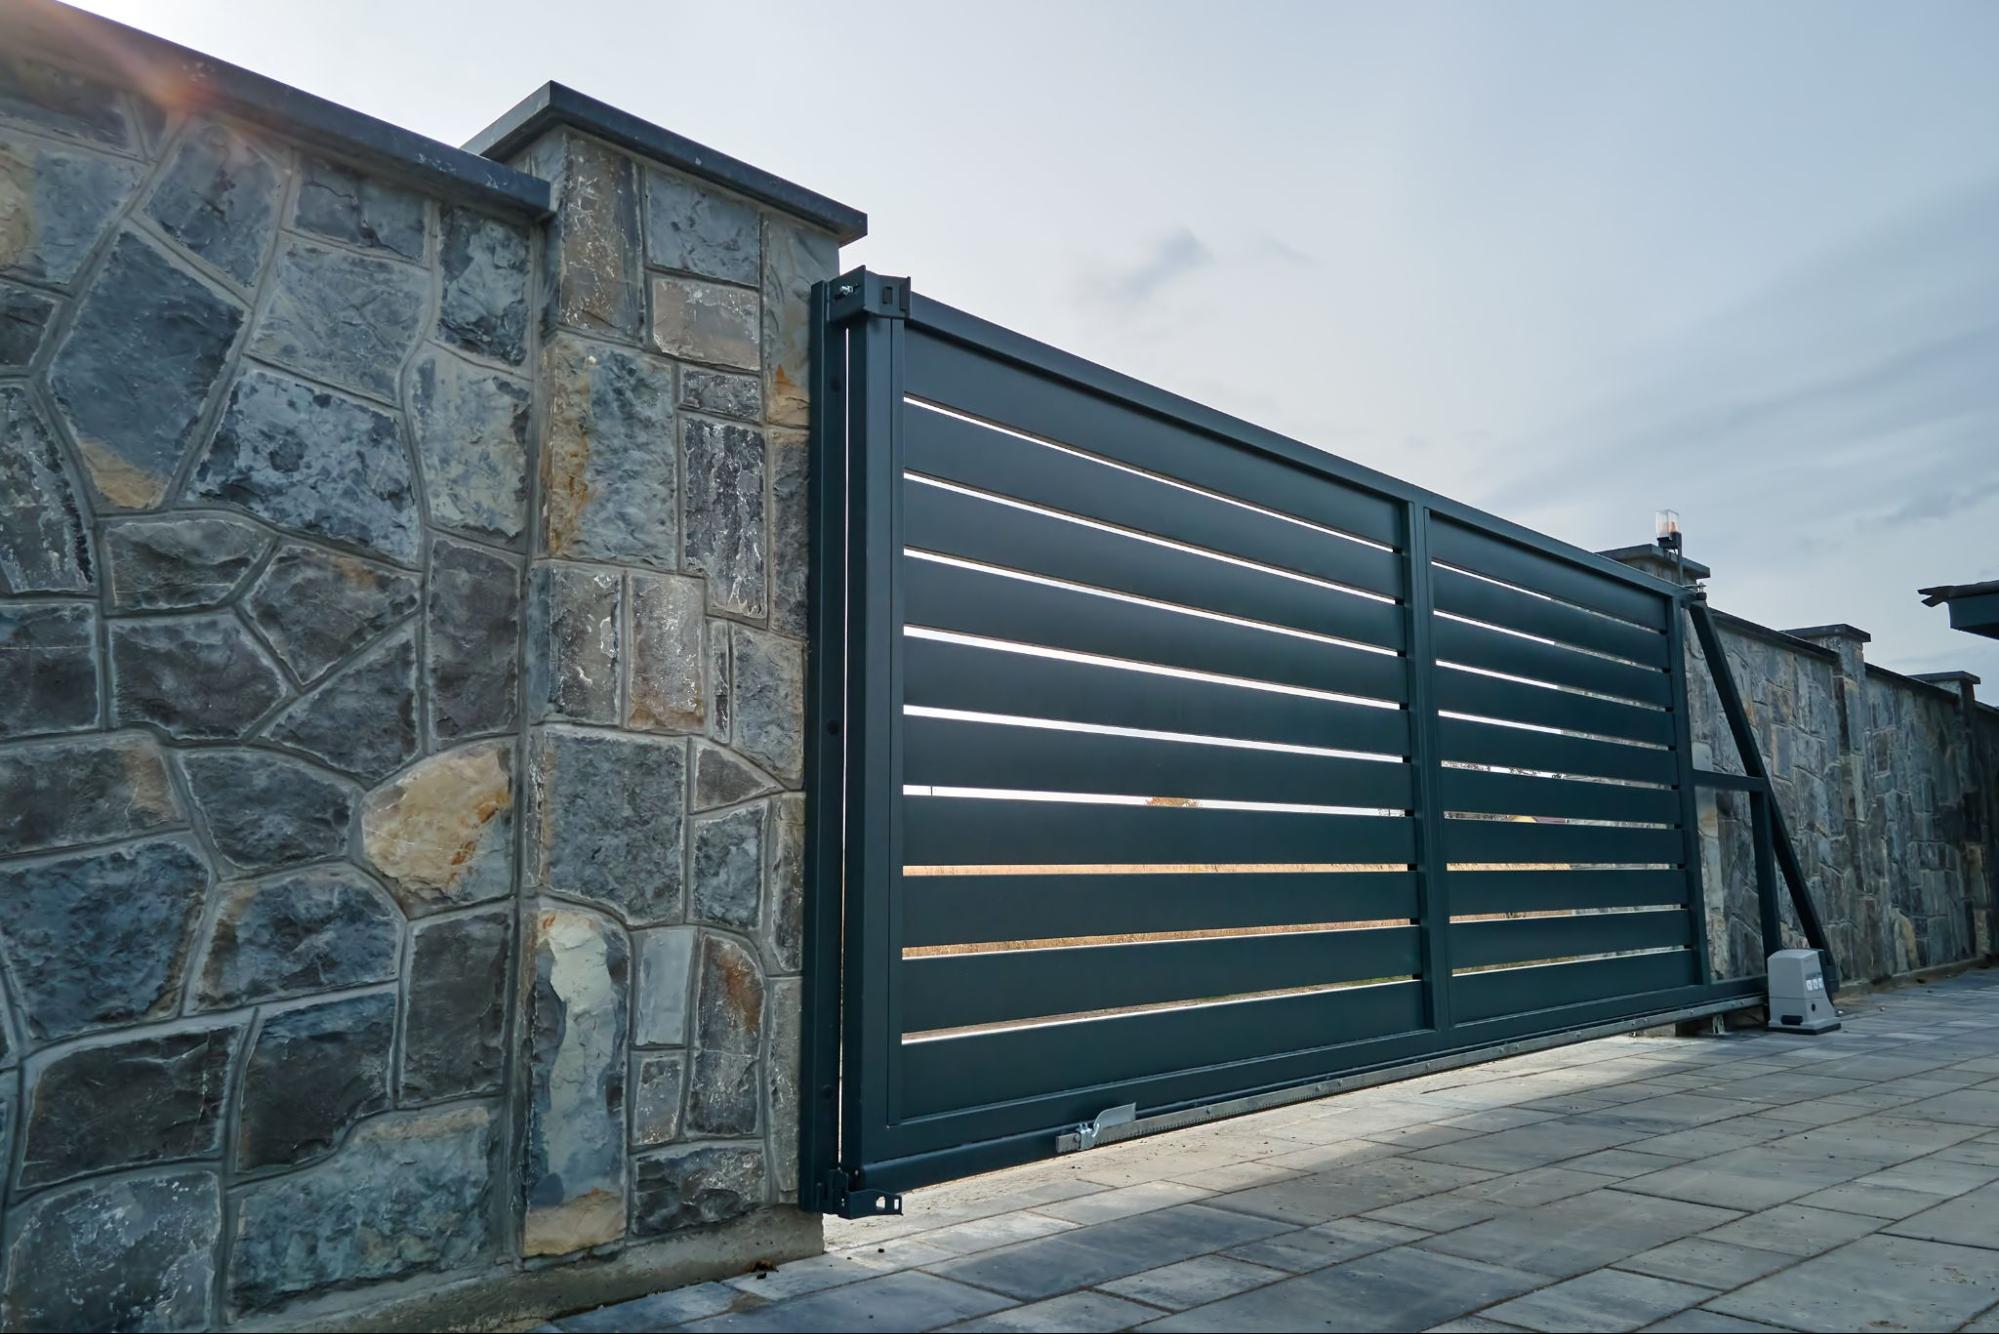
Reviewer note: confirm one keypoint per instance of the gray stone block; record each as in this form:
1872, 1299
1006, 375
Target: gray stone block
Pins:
458, 991
666, 662
137, 367
265, 811
592, 249
784, 927
99, 938
362, 720
794, 259
44, 541
48, 668
577, 1042
721, 683
193, 677
707, 322
408, 1194
727, 860
471, 430
780, 1076
472, 623
722, 778
700, 1184
343, 318
126, 1103
179, 564
316, 606
656, 1094
63, 101
727, 534
86, 789
699, 231
219, 196
65, 198
300, 457
607, 824
314, 930
485, 304
341, 203
311, 1074
666, 976
24, 317
729, 1005
769, 701
721, 393
138, 1253
574, 619
723, 1093
442, 834
609, 460
790, 522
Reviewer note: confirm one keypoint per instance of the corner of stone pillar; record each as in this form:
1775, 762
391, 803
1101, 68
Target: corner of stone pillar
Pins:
1660, 563
662, 876
1981, 805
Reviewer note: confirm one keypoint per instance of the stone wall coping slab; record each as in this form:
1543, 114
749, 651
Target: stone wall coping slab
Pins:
1838, 631
178, 76
1782, 638
555, 104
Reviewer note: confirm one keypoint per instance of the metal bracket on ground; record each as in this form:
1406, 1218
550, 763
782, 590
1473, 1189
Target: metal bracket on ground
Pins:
1085, 1135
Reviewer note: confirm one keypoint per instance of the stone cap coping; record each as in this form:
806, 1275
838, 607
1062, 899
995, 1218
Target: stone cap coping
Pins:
1782, 638
1838, 631
1948, 678
1653, 551
555, 104
182, 79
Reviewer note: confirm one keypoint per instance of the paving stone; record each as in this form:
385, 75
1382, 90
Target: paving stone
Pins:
707, 322
408, 1194
1540, 1185
696, 1185
593, 241
609, 456
48, 668
126, 1102
305, 458
472, 622
1354, 1189
1704, 1322
441, 832
315, 606
139, 363
721, 393
577, 1042
264, 811
318, 929
666, 977
485, 304
1108, 1204
658, 1082
1747, 1179
185, 563
1100, 1252
1856, 1197
573, 619
769, 701
666, 665
1878, 1282
136, 1253
311, 1074
1397, 1289
361, 720
728, 536
908, 1300
661, 1309
1440, 1213
700, 231
1976, 1107
44, 541
794, 259
1537, 1145
1795, 1229
66, 198
456, 1027
607, 824
1331, 1243
798, 1277
24, 317
1707, 1261
1193, 1282
1072, 1311
99, 938
1606, 1299
984, 1234
219, 196
727, 860
470, 425
1971, 1219
1580, 1233
338, 202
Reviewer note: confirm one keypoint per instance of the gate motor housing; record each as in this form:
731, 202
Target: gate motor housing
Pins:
1798, 1003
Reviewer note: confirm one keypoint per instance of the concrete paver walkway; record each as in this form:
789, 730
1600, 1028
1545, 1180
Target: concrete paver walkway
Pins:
1755, 1181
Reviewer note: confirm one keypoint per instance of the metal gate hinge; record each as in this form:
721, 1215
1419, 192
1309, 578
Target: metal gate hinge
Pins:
852, 295
842, 1195
1087, 1132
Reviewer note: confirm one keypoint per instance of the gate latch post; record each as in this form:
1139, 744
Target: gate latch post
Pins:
1087, 1132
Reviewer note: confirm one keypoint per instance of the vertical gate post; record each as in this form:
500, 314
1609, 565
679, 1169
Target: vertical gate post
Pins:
1683, 745
1433, 898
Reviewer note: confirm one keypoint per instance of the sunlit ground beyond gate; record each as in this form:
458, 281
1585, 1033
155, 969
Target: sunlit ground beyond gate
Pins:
1755, 1181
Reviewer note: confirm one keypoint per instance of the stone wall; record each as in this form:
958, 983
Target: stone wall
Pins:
401, 672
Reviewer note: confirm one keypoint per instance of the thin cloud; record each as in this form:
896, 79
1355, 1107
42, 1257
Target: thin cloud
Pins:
1173, 258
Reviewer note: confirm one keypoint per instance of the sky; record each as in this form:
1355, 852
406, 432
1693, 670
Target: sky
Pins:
1570, 262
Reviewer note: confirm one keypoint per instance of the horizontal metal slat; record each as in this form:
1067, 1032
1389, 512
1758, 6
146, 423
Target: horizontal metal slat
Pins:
1476, 892
1495, 604
975, 909
952, 752
980, 456
1476, 996
1550, 752
979, 1069
1488, 793
962, 990
1490, 697
1525, 939
975, 831
945, 675
955, 524
1542, 573
981, 386
1519, 841
952, 597
1478, 646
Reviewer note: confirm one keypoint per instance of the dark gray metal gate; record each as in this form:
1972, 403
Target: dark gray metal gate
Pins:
1158, 759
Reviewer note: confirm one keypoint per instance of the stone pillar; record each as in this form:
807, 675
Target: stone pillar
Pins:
1867, 855
1976, 833
664, 683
